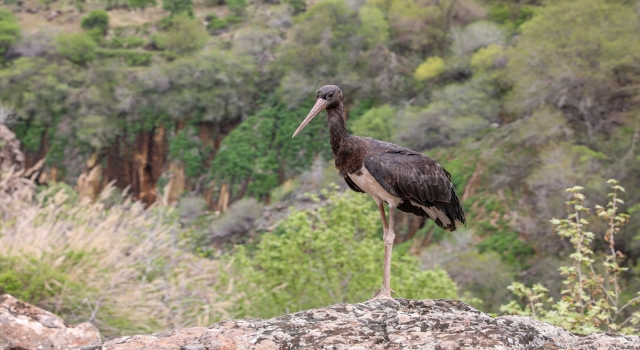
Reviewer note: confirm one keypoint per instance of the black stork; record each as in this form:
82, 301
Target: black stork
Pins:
403, 178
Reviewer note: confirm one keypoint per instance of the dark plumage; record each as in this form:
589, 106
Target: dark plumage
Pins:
403, 178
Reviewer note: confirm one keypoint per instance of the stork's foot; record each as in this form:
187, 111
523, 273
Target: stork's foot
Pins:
382, 294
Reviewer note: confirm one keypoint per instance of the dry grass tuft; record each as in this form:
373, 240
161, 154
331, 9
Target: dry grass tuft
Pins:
120, 267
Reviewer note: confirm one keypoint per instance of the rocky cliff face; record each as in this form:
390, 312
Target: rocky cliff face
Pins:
411, 324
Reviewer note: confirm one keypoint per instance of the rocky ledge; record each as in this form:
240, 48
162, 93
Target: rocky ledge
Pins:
26, 327
426, 324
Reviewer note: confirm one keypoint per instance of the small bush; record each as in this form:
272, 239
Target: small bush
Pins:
237, 7
96, 19
78, 48
175, 7
214, 23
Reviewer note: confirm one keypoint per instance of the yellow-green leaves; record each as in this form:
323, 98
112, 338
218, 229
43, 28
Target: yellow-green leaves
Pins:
484, 58
430, 68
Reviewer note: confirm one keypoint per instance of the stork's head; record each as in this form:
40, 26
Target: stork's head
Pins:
329, 96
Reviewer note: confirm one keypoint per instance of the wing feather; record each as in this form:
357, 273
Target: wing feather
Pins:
410, 176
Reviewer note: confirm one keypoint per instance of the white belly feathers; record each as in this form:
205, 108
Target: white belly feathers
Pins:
368, 183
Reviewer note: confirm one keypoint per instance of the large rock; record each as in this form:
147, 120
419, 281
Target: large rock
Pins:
427, 324
25, 327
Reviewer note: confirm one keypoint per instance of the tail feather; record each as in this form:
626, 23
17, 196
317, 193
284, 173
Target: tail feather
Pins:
447, 215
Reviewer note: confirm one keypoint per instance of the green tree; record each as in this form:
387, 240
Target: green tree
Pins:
78, 48
9, 32
256, 154
325, 256
175, 7
188, 150
96, 19
573, 55
184, 35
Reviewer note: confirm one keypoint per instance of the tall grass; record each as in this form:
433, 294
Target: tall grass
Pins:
116, 265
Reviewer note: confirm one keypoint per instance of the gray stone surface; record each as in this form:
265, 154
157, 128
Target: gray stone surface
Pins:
418, 324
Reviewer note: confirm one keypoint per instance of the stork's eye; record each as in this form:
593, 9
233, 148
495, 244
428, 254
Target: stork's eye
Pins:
330, 96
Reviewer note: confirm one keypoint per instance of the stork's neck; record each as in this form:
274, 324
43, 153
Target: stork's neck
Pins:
337, 129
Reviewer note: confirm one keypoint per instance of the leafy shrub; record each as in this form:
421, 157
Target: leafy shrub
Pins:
430, 68
78, 48
592, 299
175, 7
324, 256
237, 7
96, 19
214, 23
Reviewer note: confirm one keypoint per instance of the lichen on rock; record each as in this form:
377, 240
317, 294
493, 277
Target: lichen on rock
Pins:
414, 324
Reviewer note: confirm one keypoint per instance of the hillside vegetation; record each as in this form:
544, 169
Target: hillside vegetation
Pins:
190, 107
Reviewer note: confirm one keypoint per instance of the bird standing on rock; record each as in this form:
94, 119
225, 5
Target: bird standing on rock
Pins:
403, 178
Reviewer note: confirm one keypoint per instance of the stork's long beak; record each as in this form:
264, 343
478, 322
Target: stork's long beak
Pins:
317, 108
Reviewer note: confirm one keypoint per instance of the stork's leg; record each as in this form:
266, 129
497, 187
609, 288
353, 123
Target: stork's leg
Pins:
389, 237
